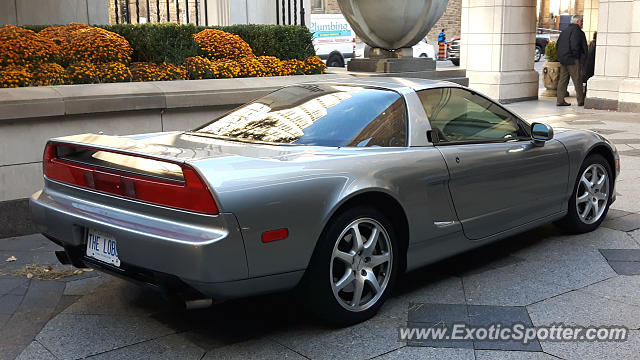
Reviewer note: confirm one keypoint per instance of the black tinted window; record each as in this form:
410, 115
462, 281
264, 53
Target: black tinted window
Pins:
324, 115
459, 115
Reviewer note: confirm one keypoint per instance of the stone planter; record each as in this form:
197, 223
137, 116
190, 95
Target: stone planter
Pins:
550, 76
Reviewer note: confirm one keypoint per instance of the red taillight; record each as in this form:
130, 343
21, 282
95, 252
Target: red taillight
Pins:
191, 193
274, 235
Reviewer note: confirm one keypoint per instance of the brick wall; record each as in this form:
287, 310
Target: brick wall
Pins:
450, 20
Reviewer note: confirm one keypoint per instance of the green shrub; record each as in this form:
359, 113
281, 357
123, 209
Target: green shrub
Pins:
167, 42
282, 41
550, 52
173, 43
36, 28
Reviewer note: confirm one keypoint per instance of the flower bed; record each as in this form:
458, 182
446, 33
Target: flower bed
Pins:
81, 54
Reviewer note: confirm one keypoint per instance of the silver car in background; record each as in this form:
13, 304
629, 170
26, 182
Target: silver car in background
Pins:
333, 188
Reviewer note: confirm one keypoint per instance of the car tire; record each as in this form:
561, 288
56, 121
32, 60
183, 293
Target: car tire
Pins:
336, 258
335, 60
538, 53
455, 62
590, 200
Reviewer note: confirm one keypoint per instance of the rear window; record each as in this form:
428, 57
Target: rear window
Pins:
321, 115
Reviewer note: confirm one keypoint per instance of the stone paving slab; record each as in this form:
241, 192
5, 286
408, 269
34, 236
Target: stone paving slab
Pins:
427, 353
624, 223
506, 316
86, 335
625, 267
625, 289
507, 288
32, 314
164, 348
85, 286
35, 351
254, 350
595, 350
361, 341
512, 355
9, 283
621, 254
583, 308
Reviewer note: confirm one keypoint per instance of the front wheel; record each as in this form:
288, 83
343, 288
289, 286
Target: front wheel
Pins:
591, 197
353, 268
455, 62
538, 54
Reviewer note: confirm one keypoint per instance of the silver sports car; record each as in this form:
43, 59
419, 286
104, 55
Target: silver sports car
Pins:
334, 188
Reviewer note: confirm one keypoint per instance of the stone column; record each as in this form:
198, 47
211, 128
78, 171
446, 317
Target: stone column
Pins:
578, 8
590, 18
544, 17
498, 42
219, 13
616, 84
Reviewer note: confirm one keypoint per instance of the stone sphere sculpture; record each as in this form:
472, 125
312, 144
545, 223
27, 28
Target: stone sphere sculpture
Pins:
392, 24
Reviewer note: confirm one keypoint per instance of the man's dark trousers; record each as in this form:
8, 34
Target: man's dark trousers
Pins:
575, 72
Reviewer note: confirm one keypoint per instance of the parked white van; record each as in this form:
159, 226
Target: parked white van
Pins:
333, 38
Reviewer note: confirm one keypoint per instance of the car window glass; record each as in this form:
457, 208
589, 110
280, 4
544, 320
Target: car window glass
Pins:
457, 114
323, 115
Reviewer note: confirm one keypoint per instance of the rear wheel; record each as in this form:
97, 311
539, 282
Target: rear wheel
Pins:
353, 268
589, 202
335, 60
455, 62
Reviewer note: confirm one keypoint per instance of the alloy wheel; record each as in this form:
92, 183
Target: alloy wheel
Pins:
361, 264
592, 194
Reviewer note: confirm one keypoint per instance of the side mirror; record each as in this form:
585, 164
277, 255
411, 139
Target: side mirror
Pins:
541, 133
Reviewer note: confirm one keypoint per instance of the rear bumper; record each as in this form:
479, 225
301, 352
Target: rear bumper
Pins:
207, 252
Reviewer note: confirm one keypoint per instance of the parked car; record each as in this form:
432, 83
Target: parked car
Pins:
454, 51
336, 188
541, 44
542, 40
333, 39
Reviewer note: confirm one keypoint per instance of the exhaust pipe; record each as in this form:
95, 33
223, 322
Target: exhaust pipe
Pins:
63, 258
198, 303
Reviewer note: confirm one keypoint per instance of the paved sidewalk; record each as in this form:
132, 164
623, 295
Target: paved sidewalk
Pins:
540, 278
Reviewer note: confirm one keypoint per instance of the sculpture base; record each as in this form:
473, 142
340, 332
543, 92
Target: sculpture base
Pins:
457, 76
391, 65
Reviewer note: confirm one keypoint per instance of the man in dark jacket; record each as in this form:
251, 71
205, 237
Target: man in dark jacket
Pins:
590, 64
572, 53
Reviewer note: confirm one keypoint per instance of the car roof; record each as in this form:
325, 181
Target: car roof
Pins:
399, 84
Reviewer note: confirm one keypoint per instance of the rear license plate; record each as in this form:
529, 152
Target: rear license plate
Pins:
102, 247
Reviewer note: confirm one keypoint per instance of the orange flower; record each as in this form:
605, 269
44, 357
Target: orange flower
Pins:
61, 35
20, 46
220, 45
82, 72
157, 72
99, 46
48, 74
15, 76
314, 65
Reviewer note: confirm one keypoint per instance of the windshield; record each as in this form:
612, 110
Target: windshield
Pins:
322, 115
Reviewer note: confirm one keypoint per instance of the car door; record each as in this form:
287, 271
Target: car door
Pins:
499, 179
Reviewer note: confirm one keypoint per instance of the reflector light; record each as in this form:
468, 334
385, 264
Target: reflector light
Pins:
275, 235
190, 194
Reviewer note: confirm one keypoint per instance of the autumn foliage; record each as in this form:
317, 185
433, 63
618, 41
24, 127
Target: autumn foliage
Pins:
82, 54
